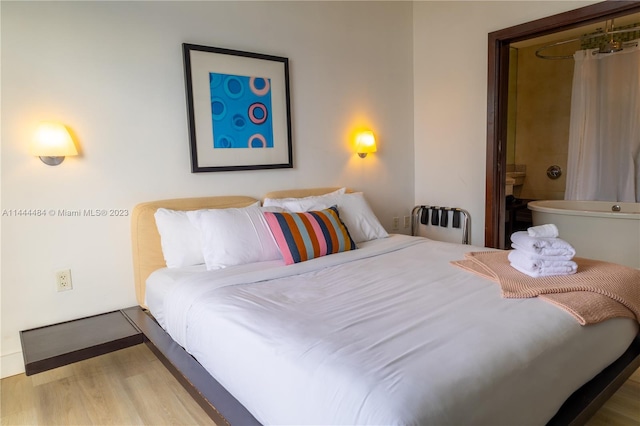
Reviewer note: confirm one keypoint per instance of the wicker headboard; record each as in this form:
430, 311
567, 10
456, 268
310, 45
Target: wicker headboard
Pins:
145, 239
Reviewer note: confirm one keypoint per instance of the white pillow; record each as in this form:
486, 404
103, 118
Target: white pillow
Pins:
279, 202
180, 240
362, 223
235, 236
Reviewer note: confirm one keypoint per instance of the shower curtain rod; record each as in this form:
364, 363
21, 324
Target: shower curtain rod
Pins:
587, 37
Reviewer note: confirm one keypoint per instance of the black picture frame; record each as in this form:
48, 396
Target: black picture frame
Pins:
238, 109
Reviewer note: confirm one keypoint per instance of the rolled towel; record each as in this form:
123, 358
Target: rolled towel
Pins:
536, 267
548, 230
541, 246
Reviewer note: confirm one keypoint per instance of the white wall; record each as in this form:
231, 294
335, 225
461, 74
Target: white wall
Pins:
450, 40
113, 72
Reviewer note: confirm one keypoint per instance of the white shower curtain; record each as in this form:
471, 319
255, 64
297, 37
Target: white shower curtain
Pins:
604, 134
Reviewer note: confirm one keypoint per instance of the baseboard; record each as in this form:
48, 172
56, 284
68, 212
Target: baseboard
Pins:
11, 364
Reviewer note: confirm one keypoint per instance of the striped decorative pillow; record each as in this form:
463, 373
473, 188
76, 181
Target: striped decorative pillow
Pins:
304, 236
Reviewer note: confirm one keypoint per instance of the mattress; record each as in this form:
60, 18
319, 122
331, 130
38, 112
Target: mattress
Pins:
390, 333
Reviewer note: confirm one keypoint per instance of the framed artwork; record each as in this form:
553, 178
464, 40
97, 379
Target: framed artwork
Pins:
238, 109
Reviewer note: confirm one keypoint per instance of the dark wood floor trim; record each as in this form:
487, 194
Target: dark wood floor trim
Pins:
217, 402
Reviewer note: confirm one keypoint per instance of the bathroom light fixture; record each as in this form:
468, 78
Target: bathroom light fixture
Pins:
365, 143
52, 142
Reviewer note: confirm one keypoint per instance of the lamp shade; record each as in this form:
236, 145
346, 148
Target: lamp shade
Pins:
365, 143
52, 140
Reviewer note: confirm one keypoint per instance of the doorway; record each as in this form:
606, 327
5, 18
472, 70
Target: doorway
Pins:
497, 99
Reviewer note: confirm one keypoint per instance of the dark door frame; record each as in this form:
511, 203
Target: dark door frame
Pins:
498, 87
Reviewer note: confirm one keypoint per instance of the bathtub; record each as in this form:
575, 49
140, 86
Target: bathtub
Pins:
594, 228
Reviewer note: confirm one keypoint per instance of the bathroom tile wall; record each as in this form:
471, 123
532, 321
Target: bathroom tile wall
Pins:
542, 122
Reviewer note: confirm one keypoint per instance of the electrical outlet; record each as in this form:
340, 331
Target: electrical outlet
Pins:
396, 223
407, 221
63, 280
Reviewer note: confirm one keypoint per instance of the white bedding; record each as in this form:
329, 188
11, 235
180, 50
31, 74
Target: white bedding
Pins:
403, 338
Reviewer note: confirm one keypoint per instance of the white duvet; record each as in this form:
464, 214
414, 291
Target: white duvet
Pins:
390, 333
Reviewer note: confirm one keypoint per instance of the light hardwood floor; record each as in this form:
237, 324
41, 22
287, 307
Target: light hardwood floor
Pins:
127, 387
131, 387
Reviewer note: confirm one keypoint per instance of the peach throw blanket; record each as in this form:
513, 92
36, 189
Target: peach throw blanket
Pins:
598, 291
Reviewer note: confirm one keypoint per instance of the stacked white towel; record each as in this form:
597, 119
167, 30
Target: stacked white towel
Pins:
540, 256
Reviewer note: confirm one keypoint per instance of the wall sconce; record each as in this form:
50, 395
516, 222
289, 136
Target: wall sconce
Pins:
365, 143
52, 142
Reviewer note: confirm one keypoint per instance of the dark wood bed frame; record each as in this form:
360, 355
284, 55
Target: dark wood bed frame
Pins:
223, 408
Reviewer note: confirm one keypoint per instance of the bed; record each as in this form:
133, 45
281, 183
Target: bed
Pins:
388, 333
